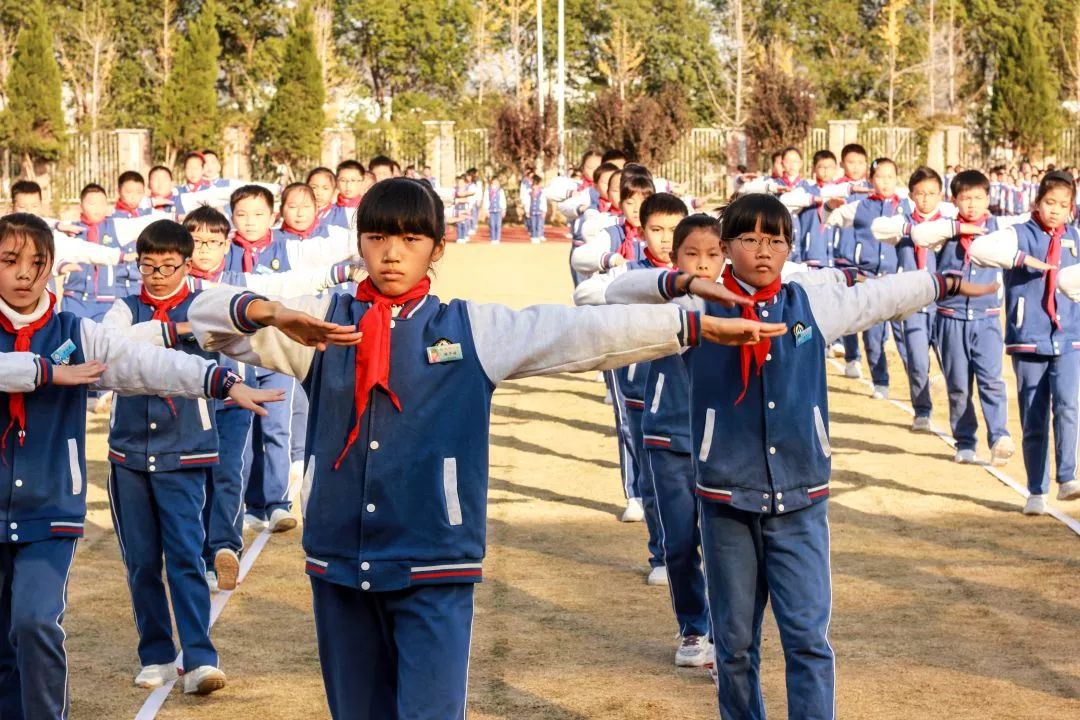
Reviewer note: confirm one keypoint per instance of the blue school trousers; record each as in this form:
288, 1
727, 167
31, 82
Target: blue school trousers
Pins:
223, 513
1048, 383
33, 659
874, 339
269, 453
645, 489
913, 341
398, 655
750, 559
155, 514
495, 226
676, 511
971, 351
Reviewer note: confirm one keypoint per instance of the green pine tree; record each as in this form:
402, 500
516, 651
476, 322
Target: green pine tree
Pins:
1024, 104
35, 117
189, 109
291, 130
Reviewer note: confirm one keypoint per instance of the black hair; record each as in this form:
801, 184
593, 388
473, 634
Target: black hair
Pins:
662, 204
350, 165
190, 155
29, 227
321, 171
791, 148
535, 178
91, 188
208, 152
381, 161
1053, 180
603, 168
613, 155
689, 224
823, 155
591, 152
160, 168
25, 187
165, 236
969, 180
853, 148
776, 154
395, 167
249, 191
397, 206
878, 162
635, 183
129, 176
922, 174
637, 169
744, 214
207, 219
296, 187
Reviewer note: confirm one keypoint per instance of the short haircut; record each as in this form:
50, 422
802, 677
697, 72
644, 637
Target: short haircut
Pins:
969, 180
208, 152
689, 224
251, 191
350, 165
662, 204
634, 183
613, 155
26, 227
853, 149
25, 187
922, 174
776, 154
590, 153
296, 187
880, 162
744, 214
397, 206
165, 236
191, 155
381, 161
129, 176
160, 168
321, 171
791, 148
637, 169
604, 167
823, 155
207, 219
90, 189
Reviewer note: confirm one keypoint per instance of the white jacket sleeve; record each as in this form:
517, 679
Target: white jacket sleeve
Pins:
933, 233
1068, 282
797, 199
546, 339
840, 310
128, 229
835, 191
295, 283
843, 216
73, 250
592, 290
590, 257
318, 252
22, 372
118, 319
219, 323
1000, 248
889, 230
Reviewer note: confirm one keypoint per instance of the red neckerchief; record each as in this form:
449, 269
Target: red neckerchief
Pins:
920, 252
345, 202
603, 205
302, 234
211, 275
1053, 257
749, 354
252, 248
878, 197
321, 214
201, 185
655, 261
586, 183
92, 230
23, 336
965, 240
631, 238
131, 210
790, 183
373, 354
162, 306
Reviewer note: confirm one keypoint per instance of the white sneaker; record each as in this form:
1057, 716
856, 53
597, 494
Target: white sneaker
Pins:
255, 523
837, 349
1002, 450
1035, 505
154, 676
1069, 490
966, 457
203, 680
853, 370
226, 569
881, 392
634, 512
921, 424
281, 520
212, 581
694, 651
657, 576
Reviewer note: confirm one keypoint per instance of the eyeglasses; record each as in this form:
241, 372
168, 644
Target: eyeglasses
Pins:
925, 195
163, 270
749, 243
211, 243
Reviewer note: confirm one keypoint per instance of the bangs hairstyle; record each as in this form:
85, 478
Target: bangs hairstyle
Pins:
400, 206
23, 228
160, 168
251, 191
969, 180
129, 176
384, 161
294, 188
853, 149
662, 204
207, 219
880, 163
637, 169
613, 156
1054, 180
743, 216
165, 236
922, 174
605, 167
692, 223
25, 187
350, 165
635, 183
193, 155
322, 171
90, 189
823, 155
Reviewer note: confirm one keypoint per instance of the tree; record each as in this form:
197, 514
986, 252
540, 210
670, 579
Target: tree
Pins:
1024, 104
189, 107
621, 58
646, 128
251, 37
783, 108
88, 51
291, 130
35, 115
517, 135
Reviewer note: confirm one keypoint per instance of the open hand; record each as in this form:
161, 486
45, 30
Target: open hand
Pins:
716, 292
69, 228
971, 229
1037, 264
738, 331
86, 373
301, 327
69, 267
252, 399
970, 289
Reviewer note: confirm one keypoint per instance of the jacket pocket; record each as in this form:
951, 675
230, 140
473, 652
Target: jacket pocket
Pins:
822, 435
450, 491
73, 464
657, 392
1019, 311
706, 437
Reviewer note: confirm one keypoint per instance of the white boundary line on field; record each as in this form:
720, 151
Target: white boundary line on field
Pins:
1067, 520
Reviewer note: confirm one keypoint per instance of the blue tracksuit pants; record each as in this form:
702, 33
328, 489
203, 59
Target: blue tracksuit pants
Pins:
270, 451
971, 353
1044, 384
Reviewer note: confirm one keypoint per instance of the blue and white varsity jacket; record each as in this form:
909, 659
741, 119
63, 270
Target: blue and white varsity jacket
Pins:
283, 254
865, 251
408, 504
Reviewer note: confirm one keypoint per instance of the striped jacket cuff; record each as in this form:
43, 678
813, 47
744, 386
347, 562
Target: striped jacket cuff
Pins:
218, 382
238, 308
1018, 261
169, 335
605, 260
851, 275
667, 284
690, 334
44, 374
339, 273
942, 286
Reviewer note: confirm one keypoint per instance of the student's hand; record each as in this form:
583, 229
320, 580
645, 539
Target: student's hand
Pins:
301, 327
69, 267
860, 189
183, 328
616, 261
252, 399
1037, 264
86, 373
738, 331
970, 289
129, 256
833, 203
358, 272
69, 228
715, 292
971, 229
